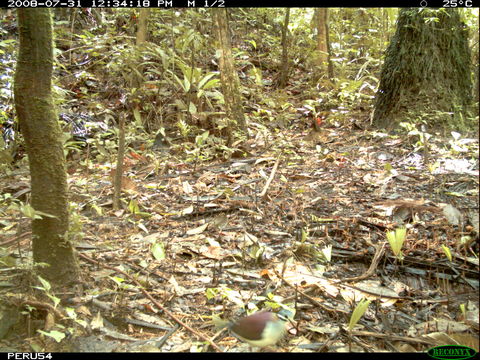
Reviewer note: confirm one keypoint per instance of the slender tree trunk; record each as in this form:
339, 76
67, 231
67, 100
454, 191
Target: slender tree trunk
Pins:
42, 133
228, 74
117, 180
142, 28
284, 67
323, 45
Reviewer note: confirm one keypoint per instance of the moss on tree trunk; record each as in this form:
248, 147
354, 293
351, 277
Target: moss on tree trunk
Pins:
426, 74
42, 133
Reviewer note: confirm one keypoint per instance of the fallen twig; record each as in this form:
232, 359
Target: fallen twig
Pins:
371, 270
270, 178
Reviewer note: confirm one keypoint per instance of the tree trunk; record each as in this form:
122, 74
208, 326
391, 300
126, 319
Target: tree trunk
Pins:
228, 75
323, 45
142, 27
137, 78
426, 74
42, 133
284, 67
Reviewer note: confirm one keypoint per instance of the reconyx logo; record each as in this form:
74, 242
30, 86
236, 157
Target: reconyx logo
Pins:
447, 352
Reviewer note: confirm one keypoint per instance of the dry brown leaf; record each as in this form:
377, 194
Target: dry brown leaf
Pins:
187, 188
213, 252
49, 321
300, 275
198, 230
97, 322
179, 290
83, 310
452, 214
467, 340
404, 347
438, 325
374, 289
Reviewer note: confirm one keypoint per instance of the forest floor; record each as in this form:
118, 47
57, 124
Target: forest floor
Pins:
301, 222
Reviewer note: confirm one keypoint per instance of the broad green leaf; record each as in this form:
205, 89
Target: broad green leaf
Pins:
186, 84
45, 284
55, 300
179, 82
205, 79
396, 239
117, 280
44, 214
210, 293
192, 108
254, 44
28, 211
158, 251
304, 235
71, 312
137, 116
56, 335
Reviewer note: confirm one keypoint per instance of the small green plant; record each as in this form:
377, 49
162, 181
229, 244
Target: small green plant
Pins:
256, 252
396, 239
28, 211
422, 136
184, 128
134, 209
70, 145
463, 310
73, 316
388, 168
433, 167
358, 313
447, 252
199, 152
46, 288
200, 139
75, 231
120, 282
61, 331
